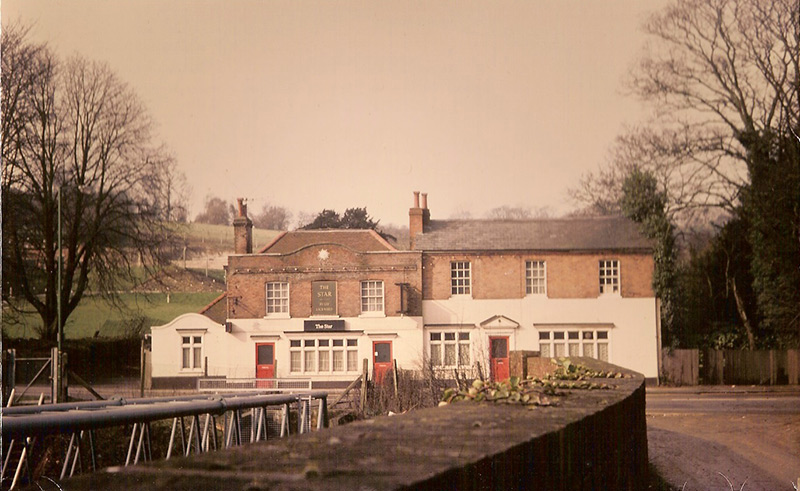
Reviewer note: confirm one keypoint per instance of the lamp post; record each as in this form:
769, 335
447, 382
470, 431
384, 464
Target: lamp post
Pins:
60, 261
59, 369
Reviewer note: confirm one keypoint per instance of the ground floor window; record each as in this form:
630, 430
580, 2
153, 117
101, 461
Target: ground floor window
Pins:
192, 352
450, 349
323, 355
593, 343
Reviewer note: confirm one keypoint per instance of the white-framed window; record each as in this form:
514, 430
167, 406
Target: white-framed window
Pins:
594, 343
371, 297
450, 349
192, 352
323, 355
460, 278
535, 278
609, 277
278, 298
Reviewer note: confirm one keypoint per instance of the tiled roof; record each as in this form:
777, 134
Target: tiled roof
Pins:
359, 240
562, 234
216, 310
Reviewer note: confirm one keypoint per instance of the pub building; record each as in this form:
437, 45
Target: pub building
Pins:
313, 304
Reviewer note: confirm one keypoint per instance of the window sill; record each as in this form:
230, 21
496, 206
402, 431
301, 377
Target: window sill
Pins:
373, 315
278, 316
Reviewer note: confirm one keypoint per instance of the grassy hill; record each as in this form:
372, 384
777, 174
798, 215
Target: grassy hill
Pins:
138, 311
145, 305
203, 238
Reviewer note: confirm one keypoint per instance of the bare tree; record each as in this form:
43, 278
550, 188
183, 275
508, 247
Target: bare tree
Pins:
273, 217
506, 212
78, 135
170, 187
216, 212
718, 73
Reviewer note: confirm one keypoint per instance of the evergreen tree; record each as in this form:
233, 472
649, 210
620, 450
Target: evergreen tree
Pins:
645, 204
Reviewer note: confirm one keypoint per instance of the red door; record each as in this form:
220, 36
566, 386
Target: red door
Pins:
265, 362
382, 359
499, 358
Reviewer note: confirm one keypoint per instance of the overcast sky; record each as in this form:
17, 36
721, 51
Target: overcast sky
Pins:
336, 104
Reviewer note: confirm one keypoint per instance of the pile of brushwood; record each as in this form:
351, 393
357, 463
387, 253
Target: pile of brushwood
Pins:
533, 392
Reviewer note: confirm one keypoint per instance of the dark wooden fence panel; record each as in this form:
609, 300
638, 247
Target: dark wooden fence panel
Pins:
681, 366
793, 366
713, 365
731, 367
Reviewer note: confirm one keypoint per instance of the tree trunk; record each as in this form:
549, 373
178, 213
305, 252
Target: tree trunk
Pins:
751, 341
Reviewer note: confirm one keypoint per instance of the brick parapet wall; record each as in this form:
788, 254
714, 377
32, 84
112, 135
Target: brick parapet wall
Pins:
592, 440
248, 276
501, 275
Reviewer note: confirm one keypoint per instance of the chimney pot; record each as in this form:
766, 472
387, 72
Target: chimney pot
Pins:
424, 201
242, 230
416, 199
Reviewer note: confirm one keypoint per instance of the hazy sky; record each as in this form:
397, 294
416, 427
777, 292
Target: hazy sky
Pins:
335, 104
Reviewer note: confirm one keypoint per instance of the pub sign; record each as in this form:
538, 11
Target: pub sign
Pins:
323, 298
332, 325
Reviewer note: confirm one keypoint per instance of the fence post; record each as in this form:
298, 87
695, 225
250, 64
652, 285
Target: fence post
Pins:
141, 369
9, 373
364, 385
55, 376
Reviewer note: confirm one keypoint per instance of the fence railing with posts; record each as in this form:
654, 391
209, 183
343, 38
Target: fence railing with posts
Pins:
222, 384
199, 424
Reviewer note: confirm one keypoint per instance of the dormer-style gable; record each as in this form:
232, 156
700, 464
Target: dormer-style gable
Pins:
499, 322
357, 240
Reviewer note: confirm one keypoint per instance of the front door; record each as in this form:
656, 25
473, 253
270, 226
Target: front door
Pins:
382, 359
499, 358
265, 361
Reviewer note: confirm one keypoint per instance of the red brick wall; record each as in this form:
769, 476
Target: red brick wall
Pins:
248, 275
569, 275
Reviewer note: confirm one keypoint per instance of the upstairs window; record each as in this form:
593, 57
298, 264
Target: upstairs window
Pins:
535, 278
609, 277
371, 297
460, 278
278, 298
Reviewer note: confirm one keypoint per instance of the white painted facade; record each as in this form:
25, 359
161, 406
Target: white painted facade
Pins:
233, 354
630, 323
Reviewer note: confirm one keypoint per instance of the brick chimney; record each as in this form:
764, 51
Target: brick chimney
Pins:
242, 229
418, 217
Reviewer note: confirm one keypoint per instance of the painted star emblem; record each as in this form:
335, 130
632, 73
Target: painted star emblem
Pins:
323, 254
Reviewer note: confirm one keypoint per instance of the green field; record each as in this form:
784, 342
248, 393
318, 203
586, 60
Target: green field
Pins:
94, 315
219, 238
189, 293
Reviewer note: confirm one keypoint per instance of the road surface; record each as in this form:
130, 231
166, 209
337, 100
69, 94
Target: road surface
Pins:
728, 438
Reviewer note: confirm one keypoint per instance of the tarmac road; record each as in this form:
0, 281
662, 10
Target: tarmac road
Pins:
725, 437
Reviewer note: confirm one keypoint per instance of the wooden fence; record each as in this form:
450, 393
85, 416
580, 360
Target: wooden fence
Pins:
730, 367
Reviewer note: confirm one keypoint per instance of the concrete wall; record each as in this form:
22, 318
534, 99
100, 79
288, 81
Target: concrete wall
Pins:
591, 440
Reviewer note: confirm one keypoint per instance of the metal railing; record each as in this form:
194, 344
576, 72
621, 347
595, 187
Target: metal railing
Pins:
219, 384
240, 418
